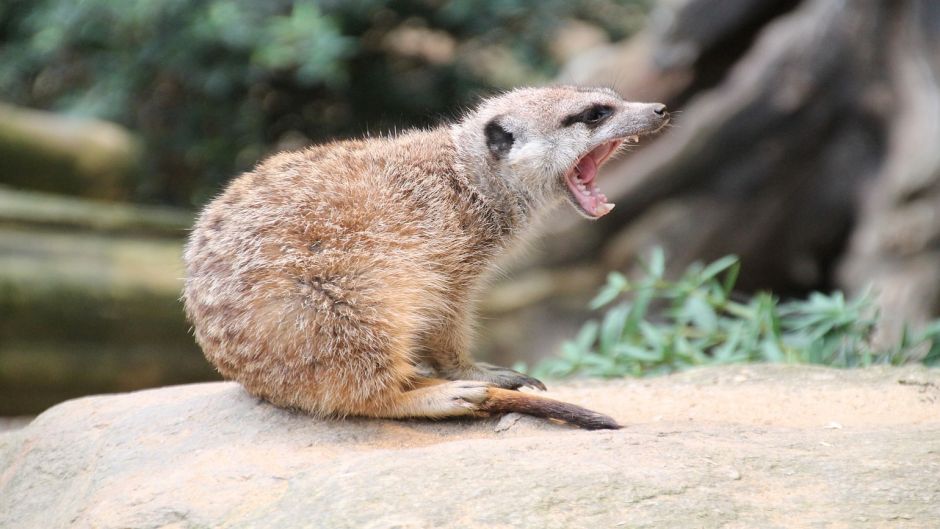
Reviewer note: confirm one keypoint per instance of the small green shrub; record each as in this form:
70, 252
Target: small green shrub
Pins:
656, 326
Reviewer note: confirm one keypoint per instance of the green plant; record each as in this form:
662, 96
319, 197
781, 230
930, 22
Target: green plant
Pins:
659, 326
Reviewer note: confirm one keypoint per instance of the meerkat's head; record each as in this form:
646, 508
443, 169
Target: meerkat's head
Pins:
548, 143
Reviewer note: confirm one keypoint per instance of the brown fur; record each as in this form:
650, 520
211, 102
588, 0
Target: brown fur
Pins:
324, 278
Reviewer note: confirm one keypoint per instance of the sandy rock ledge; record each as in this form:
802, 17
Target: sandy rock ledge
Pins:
754, 446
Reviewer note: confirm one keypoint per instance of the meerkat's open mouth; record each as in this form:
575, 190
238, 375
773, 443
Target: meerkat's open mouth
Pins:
583, 191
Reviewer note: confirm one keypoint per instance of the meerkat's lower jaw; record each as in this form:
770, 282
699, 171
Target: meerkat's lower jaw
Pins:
580, 179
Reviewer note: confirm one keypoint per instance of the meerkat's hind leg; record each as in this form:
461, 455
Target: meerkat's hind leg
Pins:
501, 377
437, 399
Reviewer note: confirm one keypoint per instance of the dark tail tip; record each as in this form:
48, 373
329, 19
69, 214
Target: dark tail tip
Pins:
506, 401
597, 421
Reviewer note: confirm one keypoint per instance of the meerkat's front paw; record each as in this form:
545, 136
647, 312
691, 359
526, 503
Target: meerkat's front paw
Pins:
501, 377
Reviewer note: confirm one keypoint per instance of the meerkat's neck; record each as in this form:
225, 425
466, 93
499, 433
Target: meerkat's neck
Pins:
512, 208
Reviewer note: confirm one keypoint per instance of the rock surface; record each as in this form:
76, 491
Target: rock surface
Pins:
752, 446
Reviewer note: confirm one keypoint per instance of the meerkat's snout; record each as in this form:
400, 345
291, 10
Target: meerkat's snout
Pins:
613, 125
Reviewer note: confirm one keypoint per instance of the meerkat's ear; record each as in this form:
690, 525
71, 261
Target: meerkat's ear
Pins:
498, 140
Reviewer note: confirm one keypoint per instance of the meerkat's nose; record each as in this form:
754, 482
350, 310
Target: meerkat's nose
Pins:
660, 110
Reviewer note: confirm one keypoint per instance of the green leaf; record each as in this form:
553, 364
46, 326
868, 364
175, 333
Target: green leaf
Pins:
639, 353
727, 350
618, 280
933, 355
718, 267
688, 353
612, 327
906, 338
700, 313
771, 351
638, 310
599, 365
572, 352
605, 296
657, 262
617, 283
931, 331
731, 278
652, 335
586, 336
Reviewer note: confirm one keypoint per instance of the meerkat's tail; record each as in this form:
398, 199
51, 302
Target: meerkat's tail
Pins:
507, 401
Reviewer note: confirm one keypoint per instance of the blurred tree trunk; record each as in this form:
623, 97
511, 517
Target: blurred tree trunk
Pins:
896, 243
807, 142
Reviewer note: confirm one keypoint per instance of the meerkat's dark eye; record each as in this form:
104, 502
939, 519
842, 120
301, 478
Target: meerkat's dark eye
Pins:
597, 113
592, 116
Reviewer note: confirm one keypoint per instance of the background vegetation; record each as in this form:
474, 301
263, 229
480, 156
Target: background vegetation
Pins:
659, 326
211, 86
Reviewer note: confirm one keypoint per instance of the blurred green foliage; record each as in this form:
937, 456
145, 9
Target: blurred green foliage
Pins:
213, 85
660, 326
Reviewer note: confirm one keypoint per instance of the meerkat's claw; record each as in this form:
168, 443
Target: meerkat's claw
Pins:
530, 382
501, 377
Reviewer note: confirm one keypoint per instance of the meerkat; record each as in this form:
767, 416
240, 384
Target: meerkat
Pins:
340, 279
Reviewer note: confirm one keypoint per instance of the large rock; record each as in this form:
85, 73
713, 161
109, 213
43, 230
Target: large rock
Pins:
756, 446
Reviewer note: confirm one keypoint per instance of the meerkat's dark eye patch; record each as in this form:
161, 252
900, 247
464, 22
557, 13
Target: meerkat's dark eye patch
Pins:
591, 116
498, 139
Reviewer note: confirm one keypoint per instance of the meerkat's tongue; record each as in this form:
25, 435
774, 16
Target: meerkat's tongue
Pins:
582, 185
587, 168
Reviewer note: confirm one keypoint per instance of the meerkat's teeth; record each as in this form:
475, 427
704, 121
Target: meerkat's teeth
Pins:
633, 139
